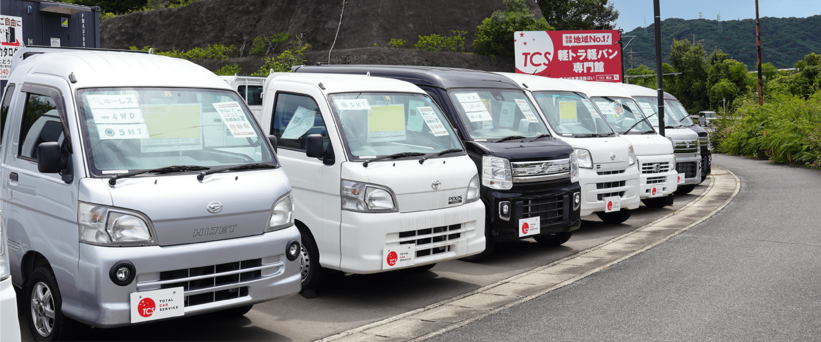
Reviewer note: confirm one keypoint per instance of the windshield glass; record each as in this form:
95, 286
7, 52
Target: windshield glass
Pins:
622, 113
649, 105
497, 113
679, 112
380, 124
572, 114
129, 129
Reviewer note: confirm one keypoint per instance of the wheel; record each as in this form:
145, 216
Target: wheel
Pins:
46, 319
421, 269
555, 239
703, 177
615, 217
686, 189
655, 202
236, 312
312, 273
490, 245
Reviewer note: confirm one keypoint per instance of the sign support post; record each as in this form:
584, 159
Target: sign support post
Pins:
659, 76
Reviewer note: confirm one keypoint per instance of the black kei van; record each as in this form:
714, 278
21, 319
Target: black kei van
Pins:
703, 137
529, 179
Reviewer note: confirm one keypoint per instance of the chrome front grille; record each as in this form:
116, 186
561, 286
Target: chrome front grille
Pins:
656, 180
689, 169
548, 209
538, 171
688, 146
436, 237
651, 168
614, 172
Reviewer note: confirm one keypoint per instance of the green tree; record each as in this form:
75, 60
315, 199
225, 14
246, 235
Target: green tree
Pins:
579, 14
495, 35
691, 85
112, 6
722, 72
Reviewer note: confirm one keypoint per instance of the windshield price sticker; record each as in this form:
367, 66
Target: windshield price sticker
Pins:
234, 118
386, 123
529, 226
158, 304
612, 204
605, 107
112, 101
415, 120
123, 131
433, 122
647, 108
474, 106
173, 128
301, 122
589, 106
117, 116
468, 97
478, 116
401, 256
632, 107
525, 108
567, 111
359, 104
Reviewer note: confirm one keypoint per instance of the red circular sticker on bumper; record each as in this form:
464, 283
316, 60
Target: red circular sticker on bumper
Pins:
146, 307
609, 205
525, 228
392, 257
654, 191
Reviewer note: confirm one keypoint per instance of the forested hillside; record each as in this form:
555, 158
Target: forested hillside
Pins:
783, 40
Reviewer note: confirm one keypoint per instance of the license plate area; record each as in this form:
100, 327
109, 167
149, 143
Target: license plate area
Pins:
158, 304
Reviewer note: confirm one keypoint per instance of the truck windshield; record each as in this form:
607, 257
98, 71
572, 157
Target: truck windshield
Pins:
649, 105
497, 113
572, 114
130, 129
622, 113
679, 111
380, 124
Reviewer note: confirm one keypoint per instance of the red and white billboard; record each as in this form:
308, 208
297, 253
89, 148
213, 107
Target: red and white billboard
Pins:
577, 55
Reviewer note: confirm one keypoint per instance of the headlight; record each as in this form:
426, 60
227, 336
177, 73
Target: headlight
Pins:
631, 156
473, 190
496, 173
574, 168
368, 198
103, 225
282, 214
584, 157
674, 163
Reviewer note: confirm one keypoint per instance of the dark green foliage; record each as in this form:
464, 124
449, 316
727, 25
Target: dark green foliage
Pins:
495, 35
398, 43
579, 14
435, 42
285, 60
262, 44
229, 70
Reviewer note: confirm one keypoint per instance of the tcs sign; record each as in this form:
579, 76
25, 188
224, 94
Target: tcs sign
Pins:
534, 51
593, 55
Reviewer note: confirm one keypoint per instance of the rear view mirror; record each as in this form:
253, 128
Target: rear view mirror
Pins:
49, 158
273, 140
313, 146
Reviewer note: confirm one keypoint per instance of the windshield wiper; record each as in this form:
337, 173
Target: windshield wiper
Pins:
512, 137
649, 132
637, 123
393, 156
450, 150
167, 169
540, 136
202, 175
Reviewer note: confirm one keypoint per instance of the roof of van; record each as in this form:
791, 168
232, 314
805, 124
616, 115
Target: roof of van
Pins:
540, 83
342, 83
600, 88
635, 90
440, 77
94, 69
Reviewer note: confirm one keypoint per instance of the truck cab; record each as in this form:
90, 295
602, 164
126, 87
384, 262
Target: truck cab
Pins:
381, 181
609, 175
250, 88
138, 188
686, 142
528, 177
659, 178
703, 136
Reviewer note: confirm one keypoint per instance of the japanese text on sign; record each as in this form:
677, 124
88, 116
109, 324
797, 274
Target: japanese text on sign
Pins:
233, 117
11, 37
579, 55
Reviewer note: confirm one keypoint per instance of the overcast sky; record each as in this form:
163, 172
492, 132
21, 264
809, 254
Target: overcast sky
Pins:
632, 13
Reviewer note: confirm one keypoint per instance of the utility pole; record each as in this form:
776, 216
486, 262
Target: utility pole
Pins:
659, 79
758, 43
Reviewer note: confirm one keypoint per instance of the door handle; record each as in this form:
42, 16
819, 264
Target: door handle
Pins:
13, 176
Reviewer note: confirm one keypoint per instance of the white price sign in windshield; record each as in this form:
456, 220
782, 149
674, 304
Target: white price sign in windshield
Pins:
234, 117
112, 101
127, 131
117, 116
469, 97
432, 121
647, 108
473, 106
352, 104
525, 108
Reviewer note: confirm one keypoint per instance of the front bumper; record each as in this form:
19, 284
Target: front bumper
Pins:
552, 202
9, 326
606, 182
436, 235
690, 165
270, 275
652, 177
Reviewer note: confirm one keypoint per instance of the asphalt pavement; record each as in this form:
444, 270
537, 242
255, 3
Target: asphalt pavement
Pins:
748, 273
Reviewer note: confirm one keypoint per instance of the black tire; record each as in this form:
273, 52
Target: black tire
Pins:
490, 245
655, 202
703, 177
312, 273
686, 189
43, 286
421, 269
615, 217
555, 239
236, 312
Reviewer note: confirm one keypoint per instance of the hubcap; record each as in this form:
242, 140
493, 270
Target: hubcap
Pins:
42, 309
304, 263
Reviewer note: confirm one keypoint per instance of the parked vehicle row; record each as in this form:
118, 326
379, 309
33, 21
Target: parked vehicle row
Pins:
140, 187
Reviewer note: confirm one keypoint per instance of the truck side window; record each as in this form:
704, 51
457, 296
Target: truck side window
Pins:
254, 97
295, 117
241, 91
41, 123
4, 110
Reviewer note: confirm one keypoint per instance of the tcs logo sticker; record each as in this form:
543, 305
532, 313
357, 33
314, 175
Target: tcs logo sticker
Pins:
609, 205
653, 192
392, 258
534, 51
525, 228
146, 307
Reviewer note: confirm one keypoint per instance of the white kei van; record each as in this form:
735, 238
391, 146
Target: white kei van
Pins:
250, 88
9, 326
608, 174
655, 153
381, 181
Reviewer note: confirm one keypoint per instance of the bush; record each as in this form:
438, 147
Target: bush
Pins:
215, 52
435, 42
495, 35
261, 44
396, 43
229, 70
285, 60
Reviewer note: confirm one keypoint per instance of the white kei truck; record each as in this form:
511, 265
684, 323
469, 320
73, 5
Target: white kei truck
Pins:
137, 188
381, 182
608, 172
656, 160
250, 88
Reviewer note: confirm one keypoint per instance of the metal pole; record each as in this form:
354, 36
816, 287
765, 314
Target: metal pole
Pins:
659, 79
758, 43
621, 53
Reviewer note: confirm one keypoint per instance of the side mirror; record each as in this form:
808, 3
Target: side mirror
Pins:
49, 158
273, 140
313, 146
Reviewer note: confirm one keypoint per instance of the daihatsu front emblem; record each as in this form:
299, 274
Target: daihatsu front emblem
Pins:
214, 207
435, 185
612, 156
687, 144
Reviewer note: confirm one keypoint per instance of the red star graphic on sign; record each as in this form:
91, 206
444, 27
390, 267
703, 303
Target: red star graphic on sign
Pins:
521, 34
525, 43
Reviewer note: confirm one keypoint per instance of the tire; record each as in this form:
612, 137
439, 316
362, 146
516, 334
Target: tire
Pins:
655, 202
703, 177
421, 269
556, 239
43, 300
616, 217
686, 189
490, 245
236, 312
312, 273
